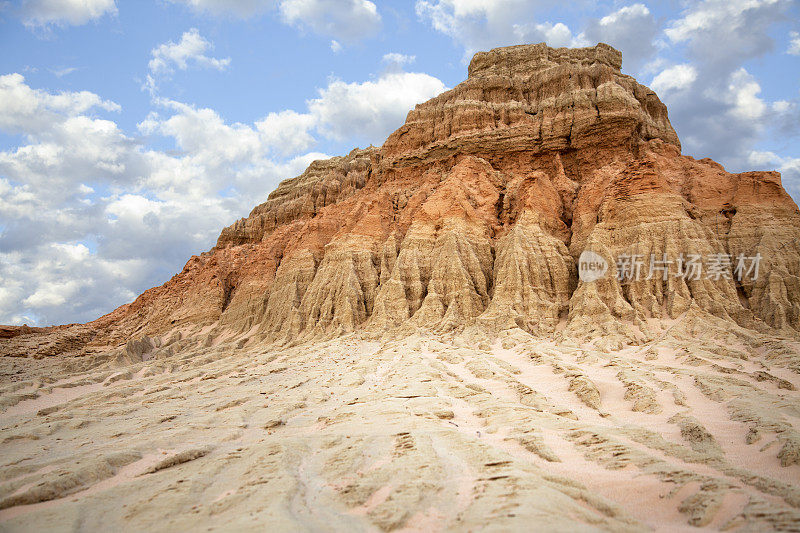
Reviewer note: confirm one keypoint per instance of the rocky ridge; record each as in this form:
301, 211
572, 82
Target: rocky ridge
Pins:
476, 211
399, 339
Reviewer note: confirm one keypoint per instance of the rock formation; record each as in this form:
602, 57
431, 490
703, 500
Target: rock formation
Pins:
465, 227
476, 210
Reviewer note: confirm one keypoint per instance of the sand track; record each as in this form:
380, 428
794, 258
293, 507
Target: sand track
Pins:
419, 433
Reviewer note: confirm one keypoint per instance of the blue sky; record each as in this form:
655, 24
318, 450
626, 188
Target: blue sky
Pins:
132, 132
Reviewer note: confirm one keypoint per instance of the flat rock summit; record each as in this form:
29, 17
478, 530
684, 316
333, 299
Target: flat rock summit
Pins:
526, 310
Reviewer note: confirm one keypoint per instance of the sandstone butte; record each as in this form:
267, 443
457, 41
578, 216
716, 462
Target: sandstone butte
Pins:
399, 339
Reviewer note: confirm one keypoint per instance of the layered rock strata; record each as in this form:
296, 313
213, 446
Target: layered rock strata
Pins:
406, 338
476, 211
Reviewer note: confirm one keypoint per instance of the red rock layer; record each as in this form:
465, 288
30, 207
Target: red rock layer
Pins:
476, 210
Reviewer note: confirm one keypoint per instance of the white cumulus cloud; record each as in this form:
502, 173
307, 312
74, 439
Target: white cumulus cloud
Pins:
631, 29
794, 43
371, 110
723, 34
344, 20
91, 216
397, 59
676, 78
39, 13
23, 109
556, 35
484, 24
743, 96
190, 51
714, 102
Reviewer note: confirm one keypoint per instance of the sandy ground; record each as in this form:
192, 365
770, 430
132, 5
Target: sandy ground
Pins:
423, 433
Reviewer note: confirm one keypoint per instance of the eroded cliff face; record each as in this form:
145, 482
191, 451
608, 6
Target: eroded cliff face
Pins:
475, 212
485, 384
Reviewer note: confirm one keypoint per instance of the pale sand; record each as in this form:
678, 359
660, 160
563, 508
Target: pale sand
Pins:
415, 434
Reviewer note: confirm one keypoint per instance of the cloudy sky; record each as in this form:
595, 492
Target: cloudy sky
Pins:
131, 131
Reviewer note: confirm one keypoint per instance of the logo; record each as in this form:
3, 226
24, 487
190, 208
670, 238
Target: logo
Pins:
591, 266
